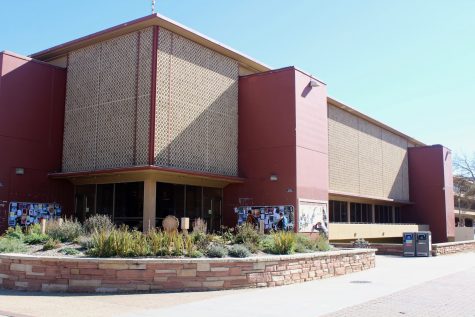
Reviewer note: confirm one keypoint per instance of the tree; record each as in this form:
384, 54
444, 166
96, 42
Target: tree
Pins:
464, 182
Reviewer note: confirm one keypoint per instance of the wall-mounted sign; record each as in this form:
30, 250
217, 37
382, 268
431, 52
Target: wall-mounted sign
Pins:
313, 216
269, 214
25, 213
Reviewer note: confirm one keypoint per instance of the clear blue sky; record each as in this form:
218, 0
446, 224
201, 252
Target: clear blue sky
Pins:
409, 64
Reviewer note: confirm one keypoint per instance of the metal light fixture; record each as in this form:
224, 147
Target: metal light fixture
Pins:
19, 171
273, 178
313, 83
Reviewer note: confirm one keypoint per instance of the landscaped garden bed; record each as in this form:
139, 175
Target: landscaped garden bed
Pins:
99, 257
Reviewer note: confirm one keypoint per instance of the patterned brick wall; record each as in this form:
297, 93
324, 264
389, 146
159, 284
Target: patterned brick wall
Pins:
48, 274
107, 104
197, 106
452, 247
365, 159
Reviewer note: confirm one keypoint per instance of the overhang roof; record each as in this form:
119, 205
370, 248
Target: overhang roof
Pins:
141, 23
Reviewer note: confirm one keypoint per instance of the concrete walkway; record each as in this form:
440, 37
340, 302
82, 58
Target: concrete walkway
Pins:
318, 298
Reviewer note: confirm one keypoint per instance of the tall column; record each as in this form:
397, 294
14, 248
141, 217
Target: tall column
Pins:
149, 204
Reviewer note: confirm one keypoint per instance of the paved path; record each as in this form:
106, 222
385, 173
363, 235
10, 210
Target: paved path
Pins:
367, 290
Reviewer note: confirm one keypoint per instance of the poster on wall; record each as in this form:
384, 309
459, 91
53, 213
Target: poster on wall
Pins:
313, 216
26, 213
269, 214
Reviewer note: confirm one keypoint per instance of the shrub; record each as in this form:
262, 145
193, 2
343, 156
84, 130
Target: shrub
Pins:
199, 225
201, 240
323, 244
361, 243
65, 231
84, 241
217, 251
248, 235
51, 244
34, 229
284, 242
15, 233
98, 223
196, 254
11, 245
69, 251
239, 251
35, 238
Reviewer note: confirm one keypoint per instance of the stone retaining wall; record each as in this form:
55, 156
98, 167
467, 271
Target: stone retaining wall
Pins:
381, 248
452, 247
68, 274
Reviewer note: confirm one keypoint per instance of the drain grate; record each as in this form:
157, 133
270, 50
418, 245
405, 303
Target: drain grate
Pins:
360, 282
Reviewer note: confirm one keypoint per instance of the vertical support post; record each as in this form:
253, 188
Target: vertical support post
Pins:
149, 204
373, 213
348, 205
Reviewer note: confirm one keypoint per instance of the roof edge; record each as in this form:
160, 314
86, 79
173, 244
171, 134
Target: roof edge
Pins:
144, 22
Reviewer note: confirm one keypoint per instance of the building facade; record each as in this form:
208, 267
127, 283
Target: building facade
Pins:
150, 118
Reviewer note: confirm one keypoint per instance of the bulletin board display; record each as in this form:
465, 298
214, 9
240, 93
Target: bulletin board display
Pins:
313, 217
269, 214
26, 213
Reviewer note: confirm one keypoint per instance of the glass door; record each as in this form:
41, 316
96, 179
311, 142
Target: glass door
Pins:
212, 209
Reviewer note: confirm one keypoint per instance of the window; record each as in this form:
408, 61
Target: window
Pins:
397, 215
361, 213
338, 211
383, 214
129, 204
105, 199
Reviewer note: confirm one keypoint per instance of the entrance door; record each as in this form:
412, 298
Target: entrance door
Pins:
212, 209
84, 201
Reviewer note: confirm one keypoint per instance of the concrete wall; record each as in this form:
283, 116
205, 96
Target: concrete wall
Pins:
353, 231
31, 132
365, 159
431, 190
464, 233
196, 124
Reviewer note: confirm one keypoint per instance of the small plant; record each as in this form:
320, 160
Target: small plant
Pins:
284, 242
239, 251
249, 236
15, 233
69, 251
323, 244
199, 225
35, 238
196, 254
11, 245
66, 230
217, 251
84, 241
361, 243
98, 223
51, 244
34, 229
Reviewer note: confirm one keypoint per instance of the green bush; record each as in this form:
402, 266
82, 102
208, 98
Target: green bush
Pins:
196, 254
98, 223
84, 241
217, 251
69, 251
15, 233
249, 236
34, 229
201, 240
66, 231
35, 238
323, 244
51, 244
239, 251
11, 245
284, 242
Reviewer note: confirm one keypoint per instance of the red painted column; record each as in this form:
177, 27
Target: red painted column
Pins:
431, 191
32, 98
283, 131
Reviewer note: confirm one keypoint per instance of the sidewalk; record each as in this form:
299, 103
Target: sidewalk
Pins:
391, 275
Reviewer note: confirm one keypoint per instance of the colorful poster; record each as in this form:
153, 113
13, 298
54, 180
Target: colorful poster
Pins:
25, 213
269, 214
313, 216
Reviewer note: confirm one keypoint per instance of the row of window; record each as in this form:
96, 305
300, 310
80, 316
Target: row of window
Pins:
363, 213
